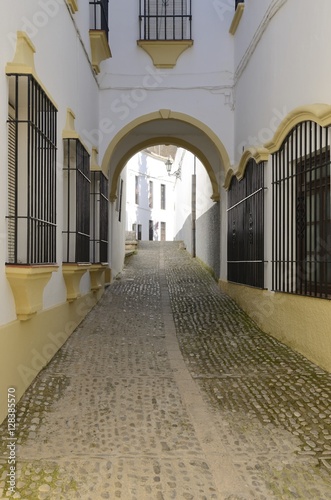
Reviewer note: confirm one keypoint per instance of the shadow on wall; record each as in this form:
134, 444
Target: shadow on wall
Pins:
207, 237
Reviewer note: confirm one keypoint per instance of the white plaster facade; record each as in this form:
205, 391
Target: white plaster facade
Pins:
146, 177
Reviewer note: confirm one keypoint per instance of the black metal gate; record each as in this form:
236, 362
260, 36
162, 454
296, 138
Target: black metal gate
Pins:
246, 227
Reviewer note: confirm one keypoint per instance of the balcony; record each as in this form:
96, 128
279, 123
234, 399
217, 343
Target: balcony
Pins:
165, 29
99, 31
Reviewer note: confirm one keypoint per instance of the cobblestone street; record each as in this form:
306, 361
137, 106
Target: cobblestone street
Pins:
167, 390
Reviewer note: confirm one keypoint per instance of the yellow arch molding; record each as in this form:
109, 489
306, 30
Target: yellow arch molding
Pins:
164, 140
319, 113
258, 154
167, 114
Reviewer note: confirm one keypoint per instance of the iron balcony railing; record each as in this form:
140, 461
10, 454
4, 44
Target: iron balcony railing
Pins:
237, 2
99, 15
165, 19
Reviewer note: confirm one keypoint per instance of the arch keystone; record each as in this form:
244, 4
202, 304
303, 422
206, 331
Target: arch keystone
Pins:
165, 113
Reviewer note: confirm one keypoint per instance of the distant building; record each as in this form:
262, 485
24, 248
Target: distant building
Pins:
150, 199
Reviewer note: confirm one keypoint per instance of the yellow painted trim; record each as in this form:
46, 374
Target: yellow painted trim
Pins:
97, 272
27, 284
165, 114
27, 346
258, 154
23, 61
73, 6
319, 113
164, 53
236, 18
69, 131
72, 274
302, 323
100, 49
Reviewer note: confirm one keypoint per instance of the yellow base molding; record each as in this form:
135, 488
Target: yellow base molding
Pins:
27, 284
100, 49
236, 18
27, 347
72, 274
97, 272
164, 53
302, 323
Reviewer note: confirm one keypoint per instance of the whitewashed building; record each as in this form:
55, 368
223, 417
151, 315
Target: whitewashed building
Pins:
84, 86
150, 206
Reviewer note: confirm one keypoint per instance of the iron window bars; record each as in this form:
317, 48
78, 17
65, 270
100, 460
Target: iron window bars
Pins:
99, 218
99, 15
301, 212
246, 227
165, 19
31, 173
76, 202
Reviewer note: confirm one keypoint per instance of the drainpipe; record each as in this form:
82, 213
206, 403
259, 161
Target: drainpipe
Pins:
194, 213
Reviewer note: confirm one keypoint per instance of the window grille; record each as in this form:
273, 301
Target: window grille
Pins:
301, 212
99, 218
99, 15
163, 197
150, 194
31, 181
165, 19
246, 227
137, 190
76, 201
163, 231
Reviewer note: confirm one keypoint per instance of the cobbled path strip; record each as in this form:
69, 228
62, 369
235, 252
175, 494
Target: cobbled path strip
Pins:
167, 390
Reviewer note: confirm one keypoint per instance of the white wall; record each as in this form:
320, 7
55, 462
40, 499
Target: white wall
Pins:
150, 168
63, 68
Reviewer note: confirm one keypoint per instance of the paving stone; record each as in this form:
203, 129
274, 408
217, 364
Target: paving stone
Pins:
107, 417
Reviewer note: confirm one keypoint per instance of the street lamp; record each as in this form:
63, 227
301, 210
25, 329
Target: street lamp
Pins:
168, 165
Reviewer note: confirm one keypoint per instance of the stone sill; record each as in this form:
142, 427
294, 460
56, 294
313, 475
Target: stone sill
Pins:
236, 18
27, 284
100, 49
72, 274
164, 53
97, 272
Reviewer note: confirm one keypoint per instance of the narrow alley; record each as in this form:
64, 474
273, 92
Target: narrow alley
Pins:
167, 390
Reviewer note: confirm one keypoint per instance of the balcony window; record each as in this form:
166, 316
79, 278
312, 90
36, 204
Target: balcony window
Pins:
99, 218
99, 15
31, 215
165, 20
76, 202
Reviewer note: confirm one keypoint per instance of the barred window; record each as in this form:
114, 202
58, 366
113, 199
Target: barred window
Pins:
301, 212
150, 194
31, 218
99, 15
99, 218
163, 197
165, 19
246, 227
76, 202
